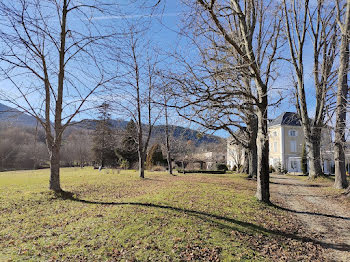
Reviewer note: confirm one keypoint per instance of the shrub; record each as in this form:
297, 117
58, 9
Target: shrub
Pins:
158, 168
280, 169
124, 164
221, 167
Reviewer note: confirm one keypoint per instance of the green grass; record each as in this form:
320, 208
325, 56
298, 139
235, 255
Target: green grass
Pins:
117, 216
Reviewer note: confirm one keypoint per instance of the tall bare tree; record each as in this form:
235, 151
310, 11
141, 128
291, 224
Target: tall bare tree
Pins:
303, 19
342, 94
166, 99
250, 32
137, 89
49, 61
211, 101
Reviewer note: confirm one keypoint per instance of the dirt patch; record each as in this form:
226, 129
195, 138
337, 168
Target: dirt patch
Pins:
323, 218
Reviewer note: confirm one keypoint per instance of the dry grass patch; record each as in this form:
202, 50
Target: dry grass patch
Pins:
113, 217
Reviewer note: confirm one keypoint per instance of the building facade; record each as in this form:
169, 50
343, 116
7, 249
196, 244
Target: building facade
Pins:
286, 141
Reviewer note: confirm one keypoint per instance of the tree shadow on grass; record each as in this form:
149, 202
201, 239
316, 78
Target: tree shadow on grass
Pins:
307, 195
150, 179
311, 213
218, 220
279, 177
295, 184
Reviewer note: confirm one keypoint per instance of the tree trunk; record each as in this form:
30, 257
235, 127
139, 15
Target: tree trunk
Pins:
340, 170
314, 166
253, 159
170, 167
263, 176
312, 155
55, 184
246, 166
315, 157
253, 162
141, 165
296, 39
342, 93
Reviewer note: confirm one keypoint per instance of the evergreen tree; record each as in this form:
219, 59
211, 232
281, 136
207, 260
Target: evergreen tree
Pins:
128, 149
103, 138
155, 156
304, 160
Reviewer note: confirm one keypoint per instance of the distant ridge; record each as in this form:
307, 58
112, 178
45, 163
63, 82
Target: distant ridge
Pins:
158, 131
14, 117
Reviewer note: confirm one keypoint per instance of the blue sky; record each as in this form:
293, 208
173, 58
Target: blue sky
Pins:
165, 25
167, 38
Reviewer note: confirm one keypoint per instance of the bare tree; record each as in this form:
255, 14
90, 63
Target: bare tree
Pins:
342, 95
302, 18
50, 58
212, 102
166, 97
137, 89
249, 31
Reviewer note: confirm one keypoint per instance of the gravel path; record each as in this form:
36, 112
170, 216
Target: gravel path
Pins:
323, 217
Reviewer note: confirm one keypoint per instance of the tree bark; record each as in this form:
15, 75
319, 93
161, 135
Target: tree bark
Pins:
253, 163
141, 164
342, 93
315, 162
310, 137
246, 167
253, 158
263, 176
170, 167
55, 169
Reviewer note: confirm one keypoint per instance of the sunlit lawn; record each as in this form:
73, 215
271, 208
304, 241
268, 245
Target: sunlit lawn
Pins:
117, 216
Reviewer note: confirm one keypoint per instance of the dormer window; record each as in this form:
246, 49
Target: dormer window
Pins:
292, 133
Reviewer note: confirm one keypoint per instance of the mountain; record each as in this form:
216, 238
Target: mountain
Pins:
14, 117
186, 134
158, 131
91, 124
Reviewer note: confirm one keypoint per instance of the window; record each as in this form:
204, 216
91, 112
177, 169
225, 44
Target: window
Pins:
275, 133
275, 147
292, 133
293, 146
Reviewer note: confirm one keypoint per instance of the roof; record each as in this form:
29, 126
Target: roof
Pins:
286, 119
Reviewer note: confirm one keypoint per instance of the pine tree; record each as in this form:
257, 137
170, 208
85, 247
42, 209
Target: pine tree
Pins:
128, 150
103, 138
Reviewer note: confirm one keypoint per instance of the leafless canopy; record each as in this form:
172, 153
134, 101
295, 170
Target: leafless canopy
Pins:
50, 62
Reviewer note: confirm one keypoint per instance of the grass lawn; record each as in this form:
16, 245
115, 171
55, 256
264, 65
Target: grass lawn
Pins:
117, 216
